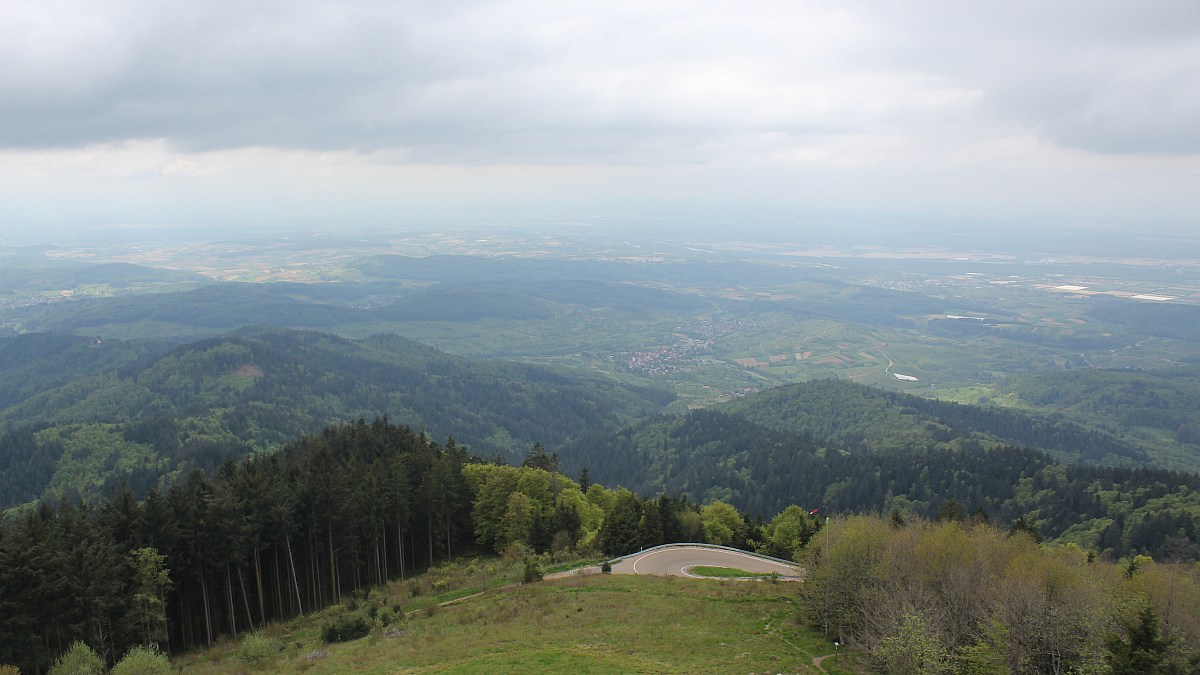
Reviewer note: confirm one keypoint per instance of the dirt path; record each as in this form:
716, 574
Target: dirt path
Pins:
818, 660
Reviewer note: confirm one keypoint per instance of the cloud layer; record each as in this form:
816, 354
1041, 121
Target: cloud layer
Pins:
875, 86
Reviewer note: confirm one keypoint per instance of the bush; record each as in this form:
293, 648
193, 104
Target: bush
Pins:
143, 660
533, 571
345, 630
79, 659
257, 649
606, 567
6, 669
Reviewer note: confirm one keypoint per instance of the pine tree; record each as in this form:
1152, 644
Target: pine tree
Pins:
1144, 651
147, 612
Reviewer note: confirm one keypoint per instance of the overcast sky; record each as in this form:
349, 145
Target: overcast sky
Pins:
1082, 113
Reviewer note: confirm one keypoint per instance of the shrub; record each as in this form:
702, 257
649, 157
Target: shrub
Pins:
345, 630
143, 660
533, 571
6, 669
606, 567
79, 659
257, 649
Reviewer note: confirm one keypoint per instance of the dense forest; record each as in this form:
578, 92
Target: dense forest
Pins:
273, 537
1161, 399
856, 417
709, 454
256, 389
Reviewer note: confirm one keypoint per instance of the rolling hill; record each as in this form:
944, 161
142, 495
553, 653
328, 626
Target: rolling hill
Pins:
256, 389
842, 447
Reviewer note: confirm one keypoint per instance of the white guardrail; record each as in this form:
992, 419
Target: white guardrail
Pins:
690, 544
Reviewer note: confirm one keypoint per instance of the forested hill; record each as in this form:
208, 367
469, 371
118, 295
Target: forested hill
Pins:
1165, 403
257, 389
856, 417
712, 454
33, 363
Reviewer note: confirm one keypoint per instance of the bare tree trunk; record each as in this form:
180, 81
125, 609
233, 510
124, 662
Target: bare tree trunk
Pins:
292, 563
245, 599
279, 585
262, 611
400, 548
229, 595
207, 613
333, 580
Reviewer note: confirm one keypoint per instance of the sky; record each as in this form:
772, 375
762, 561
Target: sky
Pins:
798, 116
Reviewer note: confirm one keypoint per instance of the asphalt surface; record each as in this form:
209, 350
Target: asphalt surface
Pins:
678, 561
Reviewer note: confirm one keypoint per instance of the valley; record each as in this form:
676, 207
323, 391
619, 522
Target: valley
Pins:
747, 398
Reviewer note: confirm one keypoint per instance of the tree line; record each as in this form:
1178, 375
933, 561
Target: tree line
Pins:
710, 454
271, 537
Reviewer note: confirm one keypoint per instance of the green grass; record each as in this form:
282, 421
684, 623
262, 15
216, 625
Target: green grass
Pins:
595, 624
572, 565
724, 572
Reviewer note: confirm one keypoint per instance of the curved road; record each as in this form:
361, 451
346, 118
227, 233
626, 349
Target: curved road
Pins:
677, 561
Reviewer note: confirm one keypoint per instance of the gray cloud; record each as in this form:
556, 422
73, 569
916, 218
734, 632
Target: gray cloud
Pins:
562, 82
1104, 76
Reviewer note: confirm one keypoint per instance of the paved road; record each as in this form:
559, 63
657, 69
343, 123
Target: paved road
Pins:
678, 561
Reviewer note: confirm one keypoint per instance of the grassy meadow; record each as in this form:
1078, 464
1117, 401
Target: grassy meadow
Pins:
598, 623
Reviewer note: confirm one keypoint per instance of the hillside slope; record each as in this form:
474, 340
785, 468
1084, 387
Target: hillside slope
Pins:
768, 451
854, 416
256, 389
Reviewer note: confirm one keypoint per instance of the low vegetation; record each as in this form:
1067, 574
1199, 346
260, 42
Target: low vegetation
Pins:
595, 624
726, 573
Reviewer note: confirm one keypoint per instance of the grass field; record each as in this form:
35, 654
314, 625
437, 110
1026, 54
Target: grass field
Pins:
724, 572
586, 624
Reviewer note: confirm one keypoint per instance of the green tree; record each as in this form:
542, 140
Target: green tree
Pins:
143, 660
787, 532
619, 532
533, 571
518, 519
147, 614
79, 659
952, 510
723, 524
1143, 651
978, 659
539, 459
911, 650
